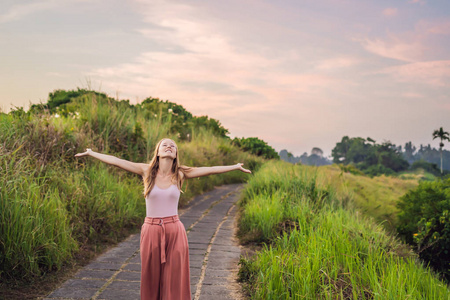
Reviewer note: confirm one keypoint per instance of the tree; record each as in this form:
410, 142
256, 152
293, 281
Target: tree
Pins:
409, 152
443, 135
256, 146
368, 156
317, 151
424, 222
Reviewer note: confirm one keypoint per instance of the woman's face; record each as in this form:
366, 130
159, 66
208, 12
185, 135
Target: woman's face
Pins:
167, 148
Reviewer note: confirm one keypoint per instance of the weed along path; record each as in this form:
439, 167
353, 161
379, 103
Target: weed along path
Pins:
213, 252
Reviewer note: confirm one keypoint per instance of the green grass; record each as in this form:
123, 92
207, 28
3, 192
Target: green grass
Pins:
315, 246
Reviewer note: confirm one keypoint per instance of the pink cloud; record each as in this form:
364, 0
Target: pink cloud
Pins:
390, 12
337, 63
438, 28
422, 43
210, 70
412, 95
395, 48
418, 1
250, 92
433, 73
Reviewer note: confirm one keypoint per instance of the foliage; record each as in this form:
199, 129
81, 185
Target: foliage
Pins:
424, 222
427, 154
370, 157
315, 247
378, 169
443, 136
315, 159
288, 156
58, 98
429, 167
256, 146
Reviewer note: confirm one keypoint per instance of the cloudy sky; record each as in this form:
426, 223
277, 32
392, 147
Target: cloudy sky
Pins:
297, 73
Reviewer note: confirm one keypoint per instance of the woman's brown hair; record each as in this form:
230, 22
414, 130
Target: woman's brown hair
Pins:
149, 179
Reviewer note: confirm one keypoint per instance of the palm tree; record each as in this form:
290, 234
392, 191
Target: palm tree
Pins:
443, 135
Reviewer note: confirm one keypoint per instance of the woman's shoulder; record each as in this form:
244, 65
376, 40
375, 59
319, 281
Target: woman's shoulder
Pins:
183, 170
145, 169
181, 174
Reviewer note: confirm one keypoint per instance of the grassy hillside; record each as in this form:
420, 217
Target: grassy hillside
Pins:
375, 197
55, 207
315, 246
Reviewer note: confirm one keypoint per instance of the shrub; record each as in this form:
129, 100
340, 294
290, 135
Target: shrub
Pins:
429, 167
378, 169
256, 146
424, 222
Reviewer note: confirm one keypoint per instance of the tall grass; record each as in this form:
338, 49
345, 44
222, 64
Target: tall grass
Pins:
316, 247
53, 204
35, 231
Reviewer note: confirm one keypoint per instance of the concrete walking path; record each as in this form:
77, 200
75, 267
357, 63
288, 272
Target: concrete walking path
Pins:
213, 255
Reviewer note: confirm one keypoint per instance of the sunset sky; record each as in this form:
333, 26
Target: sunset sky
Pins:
297, 74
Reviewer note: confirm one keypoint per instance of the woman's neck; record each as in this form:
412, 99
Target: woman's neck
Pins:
165, 166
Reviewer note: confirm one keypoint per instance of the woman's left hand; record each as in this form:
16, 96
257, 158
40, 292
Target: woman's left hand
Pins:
242, 169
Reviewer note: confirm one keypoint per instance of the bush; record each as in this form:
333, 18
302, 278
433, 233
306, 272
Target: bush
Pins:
429, 167
256, 146
424, 222
376, 170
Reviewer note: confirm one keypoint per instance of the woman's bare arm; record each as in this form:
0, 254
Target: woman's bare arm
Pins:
205, 171
137, 168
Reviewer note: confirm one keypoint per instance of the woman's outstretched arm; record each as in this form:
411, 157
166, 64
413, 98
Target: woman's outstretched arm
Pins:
137, 168
205, 171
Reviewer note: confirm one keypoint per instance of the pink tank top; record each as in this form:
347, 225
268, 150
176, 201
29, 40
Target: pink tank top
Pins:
162, 202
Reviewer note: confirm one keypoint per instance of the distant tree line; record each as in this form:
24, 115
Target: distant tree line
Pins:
426, 154
368, 156
387, 158
375, 159
314, 159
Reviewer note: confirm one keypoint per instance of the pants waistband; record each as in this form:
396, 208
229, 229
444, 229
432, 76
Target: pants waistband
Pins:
160, 221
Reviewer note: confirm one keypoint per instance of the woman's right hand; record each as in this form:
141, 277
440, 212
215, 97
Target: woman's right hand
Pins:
87, 153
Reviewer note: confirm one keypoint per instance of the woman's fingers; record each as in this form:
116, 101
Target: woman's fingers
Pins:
243, 169
84, 153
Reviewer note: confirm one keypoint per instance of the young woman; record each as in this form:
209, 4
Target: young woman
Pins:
164, 247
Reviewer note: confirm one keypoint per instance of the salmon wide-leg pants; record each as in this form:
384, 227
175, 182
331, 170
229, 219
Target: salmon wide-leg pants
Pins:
164, 260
